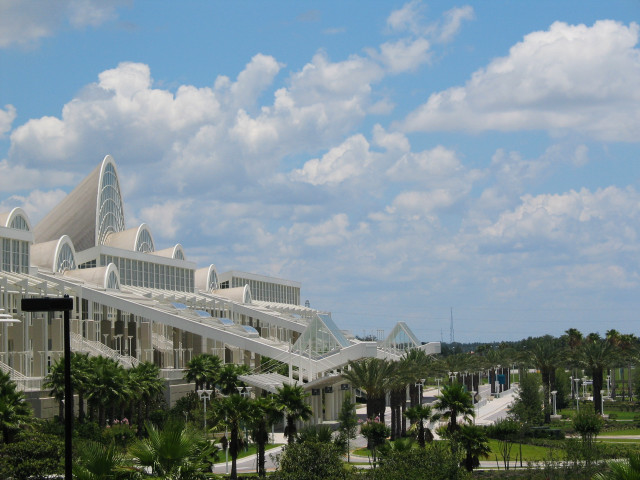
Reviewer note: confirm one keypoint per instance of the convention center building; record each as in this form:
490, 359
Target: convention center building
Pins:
134, 302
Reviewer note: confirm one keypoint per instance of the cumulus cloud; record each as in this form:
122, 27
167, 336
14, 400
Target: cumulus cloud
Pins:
14, 178
593, 222
348, 160
36, 204
568, 78
24, 23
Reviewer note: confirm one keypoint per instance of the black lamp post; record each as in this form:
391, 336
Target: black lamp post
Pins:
64, 304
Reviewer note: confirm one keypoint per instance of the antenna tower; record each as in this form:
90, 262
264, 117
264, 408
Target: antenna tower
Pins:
452, 337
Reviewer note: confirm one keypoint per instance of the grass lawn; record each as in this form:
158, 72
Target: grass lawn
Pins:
529, 452
615, 433
252, 450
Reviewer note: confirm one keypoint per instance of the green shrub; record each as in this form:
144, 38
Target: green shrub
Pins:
32, 456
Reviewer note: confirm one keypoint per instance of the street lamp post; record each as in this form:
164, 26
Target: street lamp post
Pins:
577, 392
608, 383
554, 401
64, 304
420, 384
601, 402
438, 380
204, 396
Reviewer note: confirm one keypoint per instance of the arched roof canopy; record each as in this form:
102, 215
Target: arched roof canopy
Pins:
246, 295
112, 277
137, 239
176, 252
18, 219
109, 206
206, 279
107, 277
144, 239
64, 255
92, 211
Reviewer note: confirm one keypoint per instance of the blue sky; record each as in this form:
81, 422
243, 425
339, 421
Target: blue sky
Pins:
398, 160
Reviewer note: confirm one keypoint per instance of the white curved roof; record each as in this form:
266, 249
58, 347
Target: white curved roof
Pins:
236, 294
55, 255
18, 217
89, 213
175, 252
134, 239
206, 279
97, 276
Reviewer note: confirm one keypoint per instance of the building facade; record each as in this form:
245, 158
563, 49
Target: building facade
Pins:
135, 303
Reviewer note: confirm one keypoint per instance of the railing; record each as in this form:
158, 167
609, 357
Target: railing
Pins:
161, 342
172, 373
78, 342
23, 383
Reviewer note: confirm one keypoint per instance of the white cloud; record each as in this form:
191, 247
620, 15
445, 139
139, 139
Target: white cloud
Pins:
432, 167
16, 178
403, 55
24, 23
332, 232
7, 116
583, 220
167, 217
36, 204
452, 22
570, 77
350, 159
410, 18
407, 18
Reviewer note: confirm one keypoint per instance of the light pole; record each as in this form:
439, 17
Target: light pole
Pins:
438, 380
64, 304
226, 447
577, 392
608, 382
554, 402
204, 396
602, 402
420, 385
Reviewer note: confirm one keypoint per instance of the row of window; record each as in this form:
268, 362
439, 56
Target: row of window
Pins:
15, 256
151, 275
269, 292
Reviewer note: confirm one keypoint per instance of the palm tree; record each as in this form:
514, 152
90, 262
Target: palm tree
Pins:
146, 385
80, 379
233, 410
264, 413
14, 411
545, 354
55, 381
628, 469
452, 402
476, 444
106, 387
228, 378
98, 461
178, 452
203, 370
371, 375
596, 354
419, 414
290, 399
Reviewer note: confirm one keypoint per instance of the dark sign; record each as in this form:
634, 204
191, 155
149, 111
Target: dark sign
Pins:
315, 391
328, 389
344, 386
